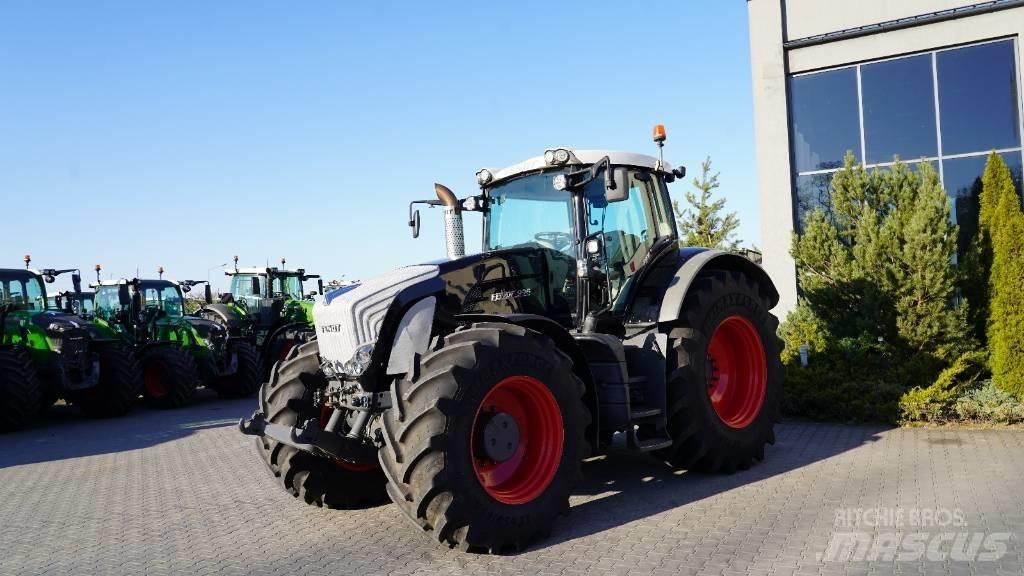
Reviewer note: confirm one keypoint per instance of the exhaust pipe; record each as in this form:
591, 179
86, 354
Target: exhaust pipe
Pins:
454, 239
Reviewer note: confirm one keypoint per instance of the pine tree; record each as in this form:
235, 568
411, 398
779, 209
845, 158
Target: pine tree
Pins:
1001, 223
701, 222
879, 266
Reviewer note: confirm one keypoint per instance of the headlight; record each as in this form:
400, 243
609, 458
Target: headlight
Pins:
556, 156
560, 182
360, 361
57, 327
483, 177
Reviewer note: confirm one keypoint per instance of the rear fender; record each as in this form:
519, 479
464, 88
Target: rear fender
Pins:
693, 261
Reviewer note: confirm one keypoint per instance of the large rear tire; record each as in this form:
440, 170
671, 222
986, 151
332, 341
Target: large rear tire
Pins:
119, 386
725, 376
169, 376
483, 442
20, 389
246, 378
287, 399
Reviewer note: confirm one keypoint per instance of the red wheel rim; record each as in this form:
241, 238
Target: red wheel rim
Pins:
325, 415
152, 379
531, 468
738, 373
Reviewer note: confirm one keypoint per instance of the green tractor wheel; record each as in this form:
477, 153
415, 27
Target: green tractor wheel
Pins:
246, 378
119, 386
20, 391
169, 376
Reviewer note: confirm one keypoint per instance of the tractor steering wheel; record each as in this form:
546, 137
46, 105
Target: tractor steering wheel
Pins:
555, 240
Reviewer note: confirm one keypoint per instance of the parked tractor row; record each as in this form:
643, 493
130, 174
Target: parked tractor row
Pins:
102, 350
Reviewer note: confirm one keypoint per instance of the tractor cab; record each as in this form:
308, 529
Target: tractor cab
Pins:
272, 294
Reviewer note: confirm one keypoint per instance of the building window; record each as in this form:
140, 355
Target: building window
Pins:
899, 109
825, 119
879, 110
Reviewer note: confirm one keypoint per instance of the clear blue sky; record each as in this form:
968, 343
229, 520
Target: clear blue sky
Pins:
138, 134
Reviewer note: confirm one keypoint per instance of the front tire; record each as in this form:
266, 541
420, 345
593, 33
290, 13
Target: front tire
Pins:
169, 376
725, 376
119, 386
20, 389
483, 442
287, 399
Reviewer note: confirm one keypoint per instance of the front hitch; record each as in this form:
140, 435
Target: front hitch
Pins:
309, 438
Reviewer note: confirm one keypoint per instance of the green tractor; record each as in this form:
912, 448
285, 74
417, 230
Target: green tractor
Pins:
268, 308
48, 353
177, 352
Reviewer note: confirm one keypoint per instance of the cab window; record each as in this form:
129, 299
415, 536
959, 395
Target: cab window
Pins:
107, 301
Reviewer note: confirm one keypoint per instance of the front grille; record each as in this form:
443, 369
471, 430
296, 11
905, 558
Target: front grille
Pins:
72, 346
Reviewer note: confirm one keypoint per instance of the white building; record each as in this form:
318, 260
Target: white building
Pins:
923, 79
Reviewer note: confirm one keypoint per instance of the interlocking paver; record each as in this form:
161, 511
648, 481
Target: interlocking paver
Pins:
181, 492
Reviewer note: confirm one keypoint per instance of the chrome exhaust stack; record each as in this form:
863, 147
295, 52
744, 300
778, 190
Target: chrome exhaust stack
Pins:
455, 241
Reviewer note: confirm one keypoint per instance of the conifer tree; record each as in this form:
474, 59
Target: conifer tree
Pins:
1001, 223
702, 223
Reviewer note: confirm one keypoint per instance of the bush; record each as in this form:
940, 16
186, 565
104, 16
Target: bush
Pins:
935, 403
991, 405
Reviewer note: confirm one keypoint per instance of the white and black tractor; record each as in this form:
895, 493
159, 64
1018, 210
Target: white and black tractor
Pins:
470, 389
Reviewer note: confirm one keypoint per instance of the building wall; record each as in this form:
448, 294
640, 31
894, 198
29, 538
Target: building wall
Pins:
813, 17
774, 21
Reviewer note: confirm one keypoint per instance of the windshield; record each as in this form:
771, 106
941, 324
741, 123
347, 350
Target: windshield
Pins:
528, 210
23, 292
166, 298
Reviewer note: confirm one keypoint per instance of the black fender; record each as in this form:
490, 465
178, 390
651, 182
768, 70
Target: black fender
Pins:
693, 261
567, 344
266, 360
224, 314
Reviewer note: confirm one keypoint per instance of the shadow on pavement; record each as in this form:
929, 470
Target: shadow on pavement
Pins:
626, 486
63, 432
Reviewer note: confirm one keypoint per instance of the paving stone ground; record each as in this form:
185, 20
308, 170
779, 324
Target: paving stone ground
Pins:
182, 492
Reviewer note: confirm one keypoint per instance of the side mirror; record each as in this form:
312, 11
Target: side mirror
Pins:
76, 282
320, 286
256, 286
414, 223
616, 184
208, 294
124, 297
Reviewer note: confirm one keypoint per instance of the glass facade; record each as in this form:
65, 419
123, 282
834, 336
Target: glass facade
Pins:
951, 107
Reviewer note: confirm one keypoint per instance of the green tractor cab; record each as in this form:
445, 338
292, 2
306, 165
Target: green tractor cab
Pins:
48, 353
177, 352
80, 303
268, 308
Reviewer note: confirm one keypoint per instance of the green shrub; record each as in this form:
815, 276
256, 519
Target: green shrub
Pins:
990, 404
935, 403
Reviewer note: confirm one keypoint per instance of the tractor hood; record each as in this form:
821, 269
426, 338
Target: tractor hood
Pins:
52, 318
526, 279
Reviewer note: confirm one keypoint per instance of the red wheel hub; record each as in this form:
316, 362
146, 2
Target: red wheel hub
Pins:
517, 440
325, 416
738, 373
152, 379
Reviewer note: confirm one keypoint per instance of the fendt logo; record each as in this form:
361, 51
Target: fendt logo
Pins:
330, 328
510, 294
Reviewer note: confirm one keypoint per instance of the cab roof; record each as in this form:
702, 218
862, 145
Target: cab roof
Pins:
579, 158
266, 270
120, 281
